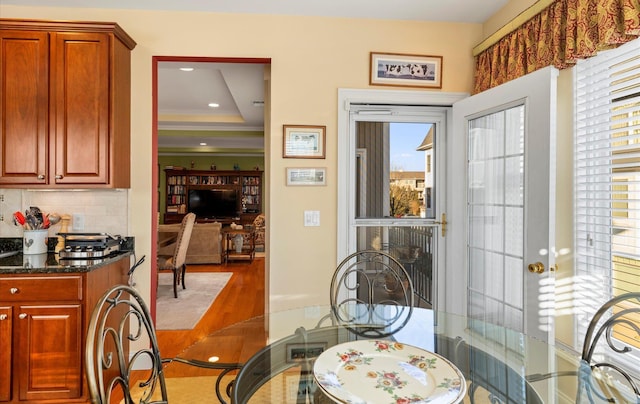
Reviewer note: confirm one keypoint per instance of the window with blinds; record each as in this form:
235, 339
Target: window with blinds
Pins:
607, 181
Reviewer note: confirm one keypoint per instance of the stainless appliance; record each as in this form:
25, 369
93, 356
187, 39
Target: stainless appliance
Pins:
89, 246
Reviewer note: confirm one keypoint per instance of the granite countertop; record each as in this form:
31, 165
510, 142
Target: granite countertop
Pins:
49, 263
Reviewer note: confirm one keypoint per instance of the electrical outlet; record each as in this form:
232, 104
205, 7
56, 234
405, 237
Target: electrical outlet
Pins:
1, 197
78, 222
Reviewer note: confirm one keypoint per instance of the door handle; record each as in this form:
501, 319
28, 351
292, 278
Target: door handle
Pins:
536, 268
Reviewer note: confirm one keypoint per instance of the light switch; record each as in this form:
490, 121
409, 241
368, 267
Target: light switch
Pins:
77, 222
312, 218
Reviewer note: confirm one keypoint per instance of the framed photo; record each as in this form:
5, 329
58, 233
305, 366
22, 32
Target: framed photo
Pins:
398, 69
306, 176
302, 352
303, 141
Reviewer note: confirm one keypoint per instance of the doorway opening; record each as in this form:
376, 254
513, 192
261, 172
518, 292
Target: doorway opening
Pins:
208, 115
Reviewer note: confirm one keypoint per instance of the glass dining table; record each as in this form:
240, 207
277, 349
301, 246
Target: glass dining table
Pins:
280, 361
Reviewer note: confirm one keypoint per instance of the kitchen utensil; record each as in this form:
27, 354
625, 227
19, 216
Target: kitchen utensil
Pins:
54, 218
34, 217
19, 219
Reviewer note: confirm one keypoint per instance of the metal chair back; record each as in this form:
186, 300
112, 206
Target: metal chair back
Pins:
371, 288
618, 323
119, 319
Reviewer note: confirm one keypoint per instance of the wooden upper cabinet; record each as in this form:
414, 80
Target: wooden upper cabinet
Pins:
80, 84
24, 107
66, 112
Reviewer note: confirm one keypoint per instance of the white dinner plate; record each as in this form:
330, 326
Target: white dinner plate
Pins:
387, 372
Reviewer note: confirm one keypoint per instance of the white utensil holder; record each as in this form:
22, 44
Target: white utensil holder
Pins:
35, 241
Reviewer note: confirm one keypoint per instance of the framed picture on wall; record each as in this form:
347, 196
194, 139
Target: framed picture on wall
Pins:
399, 69
303, 141
306, 176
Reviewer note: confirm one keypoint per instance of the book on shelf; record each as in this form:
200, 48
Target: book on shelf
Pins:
173, 168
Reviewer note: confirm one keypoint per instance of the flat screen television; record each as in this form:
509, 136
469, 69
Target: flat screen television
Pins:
213, 203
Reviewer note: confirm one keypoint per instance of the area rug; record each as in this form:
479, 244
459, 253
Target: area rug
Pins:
185, 390
184, 312
201, 390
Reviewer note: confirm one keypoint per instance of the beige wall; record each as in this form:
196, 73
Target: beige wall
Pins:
311, 59
511, 10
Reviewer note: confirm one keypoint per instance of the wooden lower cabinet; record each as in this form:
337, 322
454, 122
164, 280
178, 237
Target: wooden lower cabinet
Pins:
49, 351
6, 338
42, 336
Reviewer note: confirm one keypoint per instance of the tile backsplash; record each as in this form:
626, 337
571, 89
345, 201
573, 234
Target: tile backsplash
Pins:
101, 210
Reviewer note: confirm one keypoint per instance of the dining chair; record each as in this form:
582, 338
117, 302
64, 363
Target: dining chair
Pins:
176, 262
613, 330
258, 226
372, 288
120, 319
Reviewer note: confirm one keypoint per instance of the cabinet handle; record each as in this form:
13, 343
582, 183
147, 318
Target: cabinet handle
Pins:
22, 316
3, 317
14, 291
41, 176
59, 176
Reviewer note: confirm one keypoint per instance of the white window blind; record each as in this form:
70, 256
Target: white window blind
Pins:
607, 180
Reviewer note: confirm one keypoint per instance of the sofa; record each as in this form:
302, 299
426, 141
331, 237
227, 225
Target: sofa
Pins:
205, 246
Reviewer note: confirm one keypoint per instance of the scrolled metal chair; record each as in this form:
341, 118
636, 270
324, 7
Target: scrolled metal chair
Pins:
623, 314
119, 318
372, 291
605, 380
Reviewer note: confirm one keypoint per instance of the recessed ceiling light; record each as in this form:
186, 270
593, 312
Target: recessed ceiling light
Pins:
214, 105
203, 144
186, 69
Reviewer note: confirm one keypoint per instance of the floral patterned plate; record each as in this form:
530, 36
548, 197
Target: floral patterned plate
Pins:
387, 372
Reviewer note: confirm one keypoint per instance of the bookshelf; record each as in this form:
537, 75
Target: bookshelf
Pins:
248, 185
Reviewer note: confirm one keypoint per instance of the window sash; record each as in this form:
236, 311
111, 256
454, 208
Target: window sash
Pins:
606, 180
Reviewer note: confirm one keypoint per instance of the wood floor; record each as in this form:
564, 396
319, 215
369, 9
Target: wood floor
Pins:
242, 298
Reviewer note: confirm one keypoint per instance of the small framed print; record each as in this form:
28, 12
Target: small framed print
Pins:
306, 176
398, 69
303, 141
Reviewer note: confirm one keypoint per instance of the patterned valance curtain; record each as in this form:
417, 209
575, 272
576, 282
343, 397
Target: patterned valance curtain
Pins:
559, 35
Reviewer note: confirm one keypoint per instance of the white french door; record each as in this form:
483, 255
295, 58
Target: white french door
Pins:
501, 204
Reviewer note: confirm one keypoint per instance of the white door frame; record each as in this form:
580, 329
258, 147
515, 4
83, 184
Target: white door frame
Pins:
346, 150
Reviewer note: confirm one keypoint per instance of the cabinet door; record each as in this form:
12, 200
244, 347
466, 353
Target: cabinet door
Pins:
80, 88
5, 353
24, 106
49, 351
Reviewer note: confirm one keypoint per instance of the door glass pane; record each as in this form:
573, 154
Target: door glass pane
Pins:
496, 217
412, 246
395, 170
